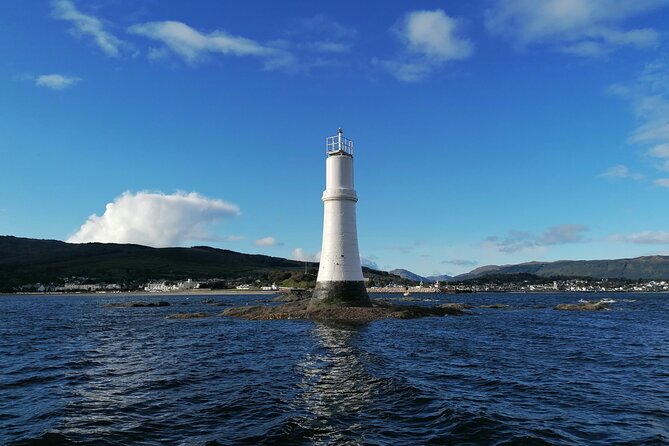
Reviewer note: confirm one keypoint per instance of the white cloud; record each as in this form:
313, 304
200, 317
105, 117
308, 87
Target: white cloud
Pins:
433, 34
89, 25
268, 241
430, 39
516, 241
662, 182
620, 171
56, 81
155, 219
582, 27
646, 237
192, 45
369, 263
302, 256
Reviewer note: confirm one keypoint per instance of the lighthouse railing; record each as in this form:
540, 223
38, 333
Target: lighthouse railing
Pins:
339, 143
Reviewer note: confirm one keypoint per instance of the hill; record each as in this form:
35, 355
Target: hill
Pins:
408, 275
647, 267
24, 260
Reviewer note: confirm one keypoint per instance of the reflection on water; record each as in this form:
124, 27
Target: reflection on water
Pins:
336, 388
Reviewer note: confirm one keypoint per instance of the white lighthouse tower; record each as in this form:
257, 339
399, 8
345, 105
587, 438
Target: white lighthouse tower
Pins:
340, 280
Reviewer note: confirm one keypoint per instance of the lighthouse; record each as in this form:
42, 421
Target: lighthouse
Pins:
340, 280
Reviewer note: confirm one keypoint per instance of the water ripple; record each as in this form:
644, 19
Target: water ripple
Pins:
76, 372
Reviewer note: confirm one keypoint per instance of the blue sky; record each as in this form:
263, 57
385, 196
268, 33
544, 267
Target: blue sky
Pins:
486, 132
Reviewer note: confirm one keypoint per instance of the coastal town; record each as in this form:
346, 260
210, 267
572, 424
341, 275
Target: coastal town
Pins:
508, 284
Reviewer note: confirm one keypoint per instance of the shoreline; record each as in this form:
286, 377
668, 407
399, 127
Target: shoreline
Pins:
230, 292
202, 292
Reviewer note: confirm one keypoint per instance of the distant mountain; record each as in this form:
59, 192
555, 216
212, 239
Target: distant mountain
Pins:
24, 261
406, 274
648, 267
439, 278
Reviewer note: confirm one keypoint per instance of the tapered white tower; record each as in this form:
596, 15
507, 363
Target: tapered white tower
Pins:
340, 280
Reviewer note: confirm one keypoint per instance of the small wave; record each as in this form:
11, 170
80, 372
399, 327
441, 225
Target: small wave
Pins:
47, 439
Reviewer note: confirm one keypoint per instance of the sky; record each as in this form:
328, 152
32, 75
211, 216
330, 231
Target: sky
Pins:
485, 132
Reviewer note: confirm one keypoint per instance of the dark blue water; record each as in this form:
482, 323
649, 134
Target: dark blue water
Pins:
75, 372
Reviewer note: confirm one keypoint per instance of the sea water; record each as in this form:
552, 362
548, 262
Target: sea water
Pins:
73, 371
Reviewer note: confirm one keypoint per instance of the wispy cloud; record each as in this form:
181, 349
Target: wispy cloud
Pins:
648, 95
193, 45
619, 172
155, 219
87, 25
430, 39
302, 256
646, 238
56, 81
268, 241
460, 262
516, 241
581, 27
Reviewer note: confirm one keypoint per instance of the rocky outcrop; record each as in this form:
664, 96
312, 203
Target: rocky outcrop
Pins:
337, 314
591, 305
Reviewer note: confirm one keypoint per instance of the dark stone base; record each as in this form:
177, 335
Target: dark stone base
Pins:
340, 294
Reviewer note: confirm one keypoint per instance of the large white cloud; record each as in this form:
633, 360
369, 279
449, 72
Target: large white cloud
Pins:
430, 38
87, 25
582, 27
155, 219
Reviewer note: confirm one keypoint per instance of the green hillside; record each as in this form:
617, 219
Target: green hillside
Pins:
648, 267
24, 261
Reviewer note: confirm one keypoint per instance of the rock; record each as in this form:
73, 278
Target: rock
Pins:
496, 306
293, 296
160, 303
336, 314
215, 303
591, 305
187, 316
456, 306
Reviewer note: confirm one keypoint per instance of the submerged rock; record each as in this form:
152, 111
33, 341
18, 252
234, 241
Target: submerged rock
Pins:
496, 306
338, 314
592, 305
137, 304
187, 316
215, 303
